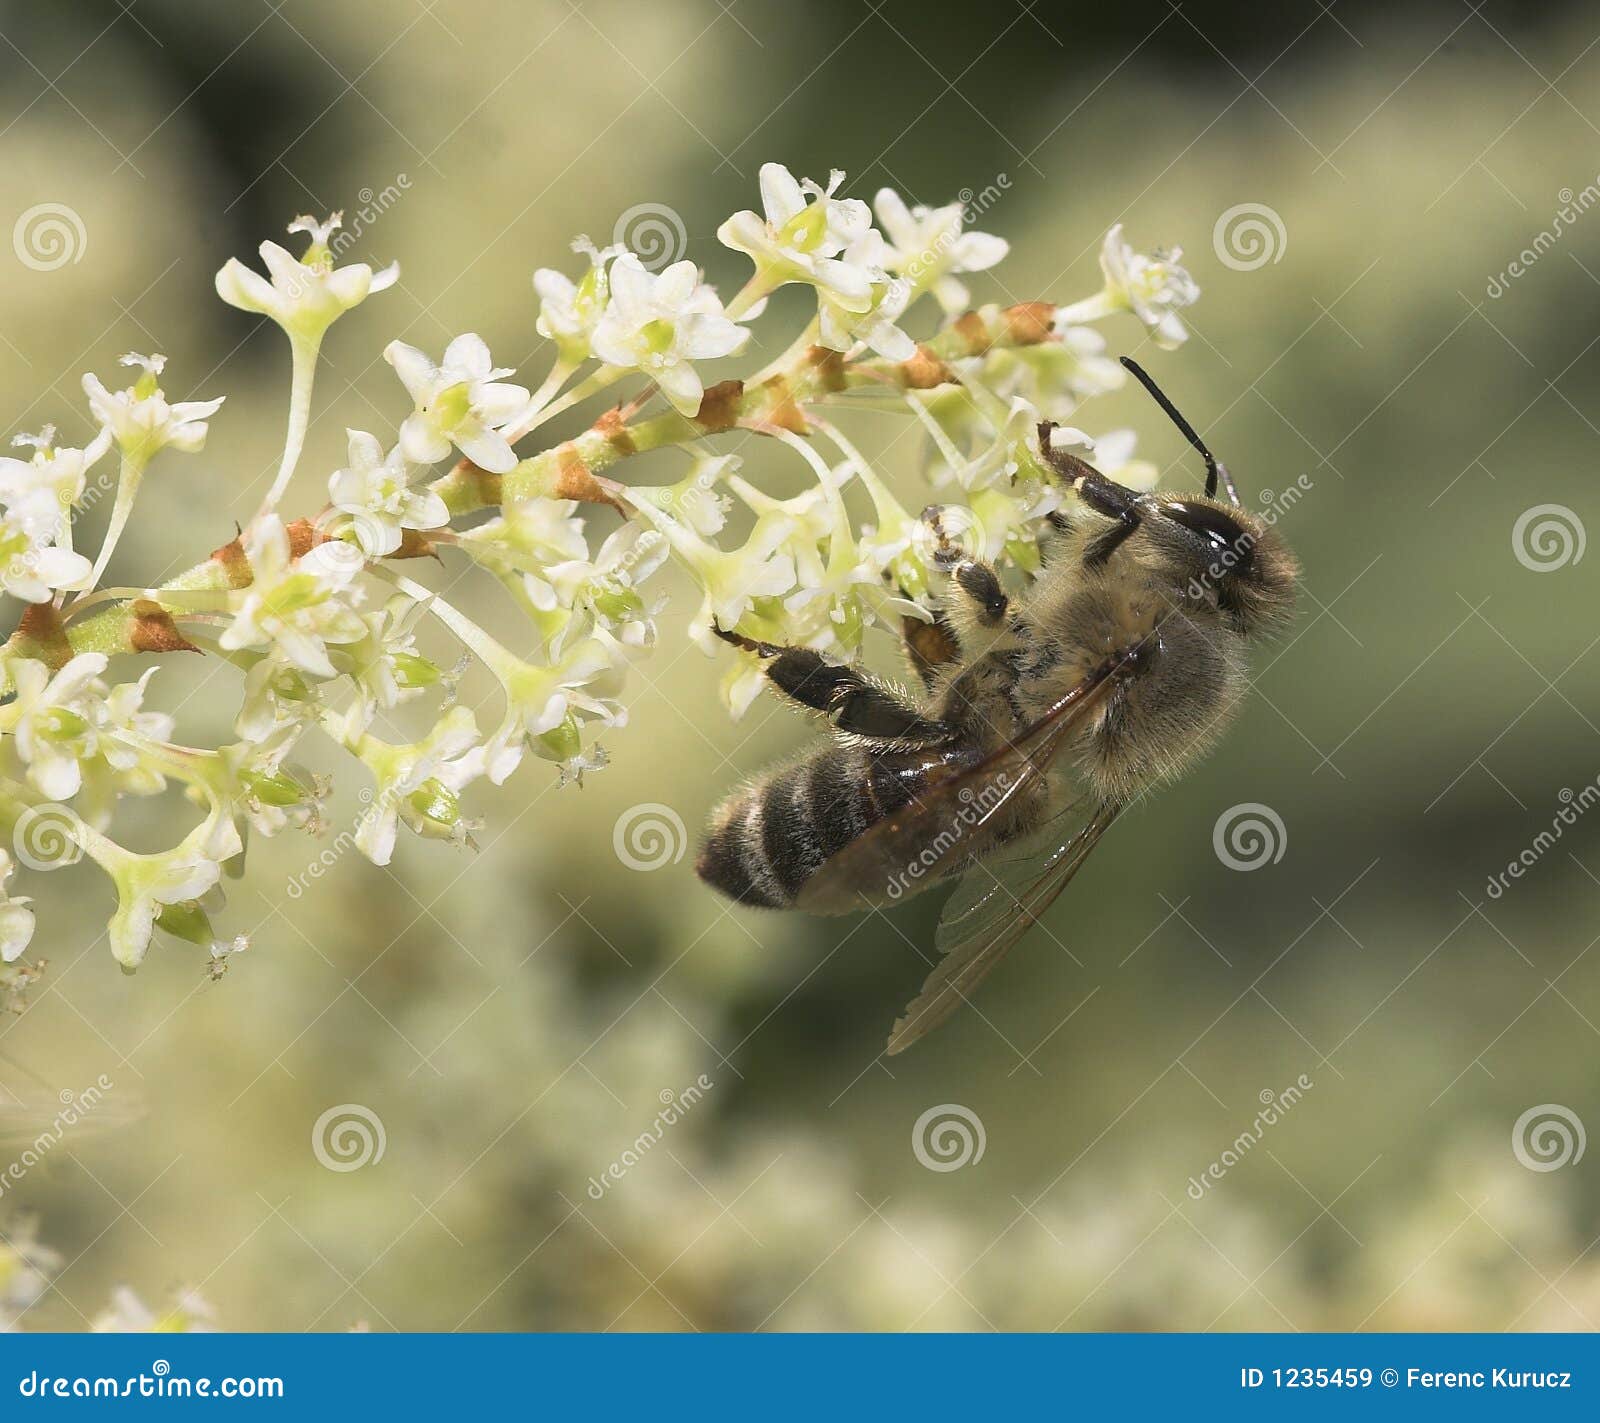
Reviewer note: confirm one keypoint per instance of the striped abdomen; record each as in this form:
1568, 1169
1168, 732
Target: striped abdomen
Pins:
769, 838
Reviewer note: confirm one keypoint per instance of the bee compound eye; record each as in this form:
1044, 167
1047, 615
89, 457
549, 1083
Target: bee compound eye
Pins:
1223, 534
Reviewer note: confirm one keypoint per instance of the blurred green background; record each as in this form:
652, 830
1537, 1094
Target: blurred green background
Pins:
514, 1018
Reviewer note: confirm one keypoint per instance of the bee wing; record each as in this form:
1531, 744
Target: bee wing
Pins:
994, 906
933, 835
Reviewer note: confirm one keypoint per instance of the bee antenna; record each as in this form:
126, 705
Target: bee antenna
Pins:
1214, 470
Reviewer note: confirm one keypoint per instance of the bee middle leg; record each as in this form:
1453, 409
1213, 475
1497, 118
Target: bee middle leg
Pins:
853, 702
930, 647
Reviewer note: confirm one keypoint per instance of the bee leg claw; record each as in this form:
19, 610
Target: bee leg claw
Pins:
746, 644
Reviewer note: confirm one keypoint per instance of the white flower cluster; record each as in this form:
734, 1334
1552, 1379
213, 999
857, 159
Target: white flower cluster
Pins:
328, 636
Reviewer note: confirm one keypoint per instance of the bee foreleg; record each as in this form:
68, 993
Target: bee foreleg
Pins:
853, 702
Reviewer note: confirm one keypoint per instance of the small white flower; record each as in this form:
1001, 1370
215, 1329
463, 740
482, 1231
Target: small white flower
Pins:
61, 473
606, 590
844, 322
1154, 288
307, 294
16, 926
141, 419
1054, 376
694, 499
375, 491
569, 311
147, 884
929, 248
32, 568
53, 720
276, 694
545, 704
660, 323
417, 783
799, 240
297, 606
730, 580
529, 536
258, 793
385, 665
461, 402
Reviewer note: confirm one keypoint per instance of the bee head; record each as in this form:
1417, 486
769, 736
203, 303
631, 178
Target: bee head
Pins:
1231, 559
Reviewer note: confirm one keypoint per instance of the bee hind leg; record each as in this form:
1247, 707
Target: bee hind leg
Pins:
853, 702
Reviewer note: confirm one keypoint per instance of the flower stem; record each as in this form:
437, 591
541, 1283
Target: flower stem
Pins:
128, 480
484, 647
596, 382
303, 354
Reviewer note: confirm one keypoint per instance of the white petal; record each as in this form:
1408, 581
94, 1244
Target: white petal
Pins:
470, 353
485, 449
781, 196
631, 285
249, 291
415, 370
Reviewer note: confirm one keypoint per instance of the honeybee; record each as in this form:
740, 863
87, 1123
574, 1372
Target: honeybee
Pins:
1043, 716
